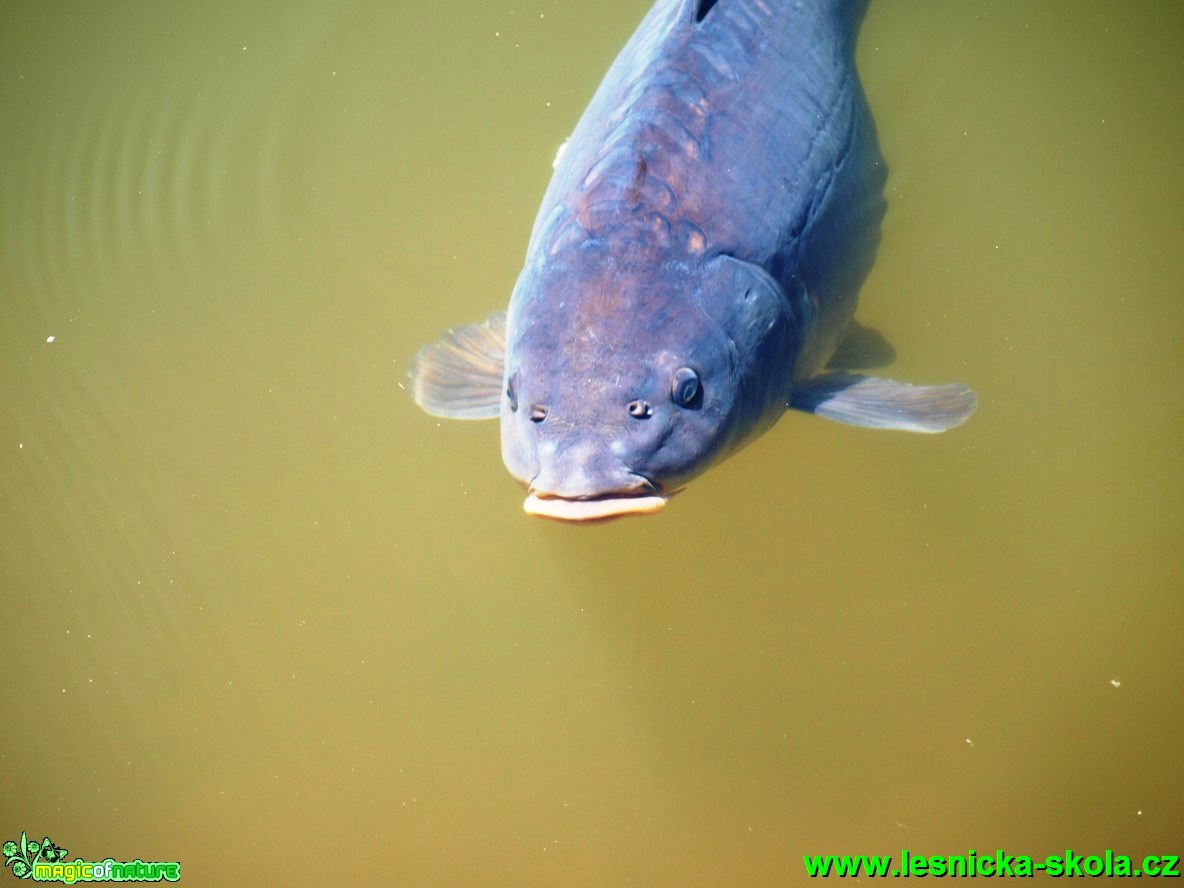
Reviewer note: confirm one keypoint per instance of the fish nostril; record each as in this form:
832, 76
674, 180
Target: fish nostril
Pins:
640, 409
538, 413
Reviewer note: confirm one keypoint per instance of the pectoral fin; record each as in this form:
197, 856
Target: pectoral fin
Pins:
883, 403
459, 376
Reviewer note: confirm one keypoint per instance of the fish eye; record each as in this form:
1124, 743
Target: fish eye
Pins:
640, 409
511, 394
538, 413
684, 390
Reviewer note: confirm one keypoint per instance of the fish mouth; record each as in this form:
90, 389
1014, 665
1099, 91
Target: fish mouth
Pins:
585, 511
632, 494
642, 497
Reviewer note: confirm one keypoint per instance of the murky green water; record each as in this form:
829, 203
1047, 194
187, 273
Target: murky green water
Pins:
264, 617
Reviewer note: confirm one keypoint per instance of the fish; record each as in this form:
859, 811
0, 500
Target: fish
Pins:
694, 268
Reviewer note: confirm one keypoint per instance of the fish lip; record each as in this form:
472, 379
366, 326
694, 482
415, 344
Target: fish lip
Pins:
645, 498
588, 510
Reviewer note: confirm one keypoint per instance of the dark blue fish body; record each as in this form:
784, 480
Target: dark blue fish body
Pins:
694, 266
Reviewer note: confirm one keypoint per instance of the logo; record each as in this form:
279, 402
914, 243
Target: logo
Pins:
24, 857
46, 862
